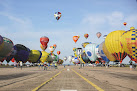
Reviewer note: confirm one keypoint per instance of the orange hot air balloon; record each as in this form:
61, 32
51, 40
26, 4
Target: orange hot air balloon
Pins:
98, 34
124, 23
58, 52
43, 47
75, 38
55, 45
86, 36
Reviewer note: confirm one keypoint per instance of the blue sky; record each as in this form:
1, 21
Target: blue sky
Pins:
25, 21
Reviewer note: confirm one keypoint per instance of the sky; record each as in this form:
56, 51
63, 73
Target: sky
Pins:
25, 21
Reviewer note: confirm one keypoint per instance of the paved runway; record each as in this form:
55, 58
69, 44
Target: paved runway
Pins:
69, 78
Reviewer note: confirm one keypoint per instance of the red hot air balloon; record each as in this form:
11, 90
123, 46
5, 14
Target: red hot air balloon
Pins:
86, 36
98, 34
58, 52
124, 23
44, 41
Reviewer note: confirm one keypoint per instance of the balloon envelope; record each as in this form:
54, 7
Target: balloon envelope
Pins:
34, 56
86, 36
101, 52
75, 38
22, 53
57, 15
85, 43
44, 56
90, 52
98, 34
6, 49
112, 43
129, 43
44, 41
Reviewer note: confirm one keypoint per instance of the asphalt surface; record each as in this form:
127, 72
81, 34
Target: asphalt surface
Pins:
68, 78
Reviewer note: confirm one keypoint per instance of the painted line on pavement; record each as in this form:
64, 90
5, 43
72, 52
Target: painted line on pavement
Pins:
95, 86
37, 88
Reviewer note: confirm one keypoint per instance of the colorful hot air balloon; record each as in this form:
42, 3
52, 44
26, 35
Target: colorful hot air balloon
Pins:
52, 58
86, 35
85, 43
83, 58
35, 56
75, 38
112, 43
6, 49
74, 49
90, 52
44, 41
129, 43
51, 49
43, 47
57, 15
124, 23
107, 53
98, 34
101, 52
58, 52
76, 60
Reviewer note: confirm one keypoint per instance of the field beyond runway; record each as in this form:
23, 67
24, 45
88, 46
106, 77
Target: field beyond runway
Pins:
69, 78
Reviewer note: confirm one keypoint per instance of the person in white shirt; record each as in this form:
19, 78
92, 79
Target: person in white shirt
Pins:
21, 64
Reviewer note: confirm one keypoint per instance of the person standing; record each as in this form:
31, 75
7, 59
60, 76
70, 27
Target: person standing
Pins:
21, 64
130, 65
15, 64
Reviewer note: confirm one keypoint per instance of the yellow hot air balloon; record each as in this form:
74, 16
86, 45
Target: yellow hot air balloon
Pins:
112, 43
44, 56
75, 53
129, 43
107, 53
34, 56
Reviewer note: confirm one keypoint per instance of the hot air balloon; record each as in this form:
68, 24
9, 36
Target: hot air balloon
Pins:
22, 53
129, 43
98, 34
97, 52
101, 52
35, 56
58, 52
6, 49
75, 38
65, 58
86, 35
51, 49
52, 58
85, 43
1, 42
44, 56
90, 51
57, 15
70, 58
83, 58
13, 53
43, 48
55, 45
44, 41
112, 43
107, 53
74, 49
79, 51
124, 23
